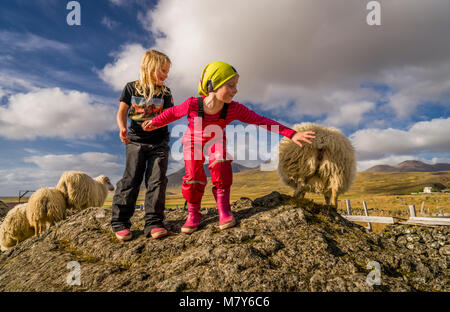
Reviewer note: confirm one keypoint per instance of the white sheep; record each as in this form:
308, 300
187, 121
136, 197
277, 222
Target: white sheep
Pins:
45, 207
327, 166
81, 191
15, 227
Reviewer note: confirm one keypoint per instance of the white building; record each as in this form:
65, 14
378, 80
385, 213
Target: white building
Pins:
427, 189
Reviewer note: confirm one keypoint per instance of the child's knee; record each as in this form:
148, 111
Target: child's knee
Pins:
193, 190
221, 173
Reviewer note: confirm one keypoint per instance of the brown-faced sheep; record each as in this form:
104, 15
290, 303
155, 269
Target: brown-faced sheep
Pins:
15, 227
81, 191
327, 166
45, 207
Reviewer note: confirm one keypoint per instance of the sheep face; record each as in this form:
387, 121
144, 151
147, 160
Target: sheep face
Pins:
105, 180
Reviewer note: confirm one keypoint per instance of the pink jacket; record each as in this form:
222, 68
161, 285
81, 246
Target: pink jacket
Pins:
236, 111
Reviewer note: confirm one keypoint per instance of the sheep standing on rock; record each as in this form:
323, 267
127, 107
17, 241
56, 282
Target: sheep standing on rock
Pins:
15, 227
327, 166
45, 207
81, 191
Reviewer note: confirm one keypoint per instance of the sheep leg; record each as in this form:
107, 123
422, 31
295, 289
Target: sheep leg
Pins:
327, 196
334, 197
299, 194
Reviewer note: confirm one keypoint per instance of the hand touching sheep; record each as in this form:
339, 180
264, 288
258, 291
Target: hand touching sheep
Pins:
303, 136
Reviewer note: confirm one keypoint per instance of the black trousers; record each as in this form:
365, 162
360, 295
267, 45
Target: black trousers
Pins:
151, 159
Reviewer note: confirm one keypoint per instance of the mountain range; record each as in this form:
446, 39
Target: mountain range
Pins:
410, 166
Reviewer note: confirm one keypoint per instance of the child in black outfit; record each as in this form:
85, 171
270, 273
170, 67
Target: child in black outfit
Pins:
146, 152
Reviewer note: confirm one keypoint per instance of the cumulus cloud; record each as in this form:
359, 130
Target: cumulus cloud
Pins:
415, 85
125, 67
94, 163
425, 136
302, 52
351, 113
313, 58
54, 113
296, 50
45, 170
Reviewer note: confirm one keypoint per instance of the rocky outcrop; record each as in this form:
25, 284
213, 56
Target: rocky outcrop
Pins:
278, 245
430, 243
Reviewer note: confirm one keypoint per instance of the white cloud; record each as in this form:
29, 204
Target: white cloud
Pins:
54, 113
349, 114
301, 50
312, 58
45, 171
425, 136
415, 85
94, 163
125, 67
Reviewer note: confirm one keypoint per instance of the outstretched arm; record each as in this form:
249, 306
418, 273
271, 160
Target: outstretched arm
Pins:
248, 116
168, 116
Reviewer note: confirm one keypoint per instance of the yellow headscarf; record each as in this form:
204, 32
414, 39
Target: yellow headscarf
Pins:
214, 75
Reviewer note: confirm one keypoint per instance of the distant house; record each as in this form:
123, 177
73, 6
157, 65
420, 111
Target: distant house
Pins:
427, 189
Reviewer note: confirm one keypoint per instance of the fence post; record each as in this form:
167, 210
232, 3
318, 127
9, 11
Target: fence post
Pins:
366, 211
412, 211
349, 208
422, 210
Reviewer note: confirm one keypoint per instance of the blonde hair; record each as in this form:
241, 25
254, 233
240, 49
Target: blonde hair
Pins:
151, 63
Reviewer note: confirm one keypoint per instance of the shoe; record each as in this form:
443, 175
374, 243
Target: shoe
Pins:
124, 235
226, 219
158, 232
193, 219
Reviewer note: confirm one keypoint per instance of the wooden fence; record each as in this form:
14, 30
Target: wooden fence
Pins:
413, 219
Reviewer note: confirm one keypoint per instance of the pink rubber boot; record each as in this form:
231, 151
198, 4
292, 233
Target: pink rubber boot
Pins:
226, 219
193, 219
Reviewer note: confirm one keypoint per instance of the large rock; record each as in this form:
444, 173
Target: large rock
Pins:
278, 245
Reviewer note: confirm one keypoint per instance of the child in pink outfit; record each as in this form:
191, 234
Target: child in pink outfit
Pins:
208, 116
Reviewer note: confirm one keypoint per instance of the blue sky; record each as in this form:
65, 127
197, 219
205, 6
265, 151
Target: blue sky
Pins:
386, 87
